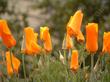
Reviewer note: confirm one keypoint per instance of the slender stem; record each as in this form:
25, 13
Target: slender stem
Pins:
65, 55
4, 56
92, 66
83, 61
11, 60
66, 67
97, 63
48, 59
24, 67
92, 62
34, 60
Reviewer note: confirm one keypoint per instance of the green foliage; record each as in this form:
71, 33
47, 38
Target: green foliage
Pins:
51, 69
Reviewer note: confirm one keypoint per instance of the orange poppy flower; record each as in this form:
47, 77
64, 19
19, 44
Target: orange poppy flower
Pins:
74, 60
74, 24
15, 63
106, 42
69, 42
30, 38
6, 35
0, 31
92, 37
80, 37
45, 36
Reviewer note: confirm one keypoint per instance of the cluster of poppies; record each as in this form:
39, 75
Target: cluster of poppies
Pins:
74, 31
29, 44
31, 47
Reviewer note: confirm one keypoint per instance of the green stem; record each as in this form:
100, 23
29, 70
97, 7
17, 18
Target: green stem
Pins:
83, 61
65, 55
97, 64
66, 65
11, 60
24, 67
92, 62
92, 68
2, 77
34, 61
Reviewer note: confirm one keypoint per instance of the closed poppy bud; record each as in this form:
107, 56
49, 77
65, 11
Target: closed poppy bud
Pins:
74, 24
6, 35
74, 60
69, 42
106, 42
92, 37
45, 37
64, 43
80, 37
15, 62
30, 45
62, 59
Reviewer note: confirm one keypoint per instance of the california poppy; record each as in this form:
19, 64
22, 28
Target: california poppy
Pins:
74, 60
106, 42
92, 37
45, 37
15, 62
6, 35
69, 42
74, 24
30, 42
0, 32
80, 37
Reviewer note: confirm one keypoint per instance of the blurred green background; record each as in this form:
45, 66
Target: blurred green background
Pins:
55, 14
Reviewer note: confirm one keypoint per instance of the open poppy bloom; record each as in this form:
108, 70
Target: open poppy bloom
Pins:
80, 37
45, 37
15, 63
74, 24
74, 60
6, 35
30, 42
92, 37
106, 42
